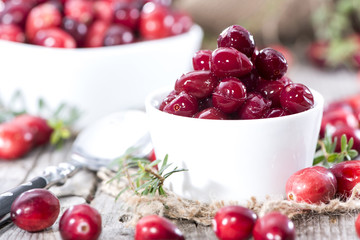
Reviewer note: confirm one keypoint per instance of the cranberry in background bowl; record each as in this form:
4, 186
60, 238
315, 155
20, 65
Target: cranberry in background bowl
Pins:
233, 159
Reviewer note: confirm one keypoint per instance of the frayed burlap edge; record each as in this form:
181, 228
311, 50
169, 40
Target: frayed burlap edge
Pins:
173, 206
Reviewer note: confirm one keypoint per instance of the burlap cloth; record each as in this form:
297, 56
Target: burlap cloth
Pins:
175, 207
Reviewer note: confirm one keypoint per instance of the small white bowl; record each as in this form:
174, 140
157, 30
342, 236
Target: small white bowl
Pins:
233, 159
98, 81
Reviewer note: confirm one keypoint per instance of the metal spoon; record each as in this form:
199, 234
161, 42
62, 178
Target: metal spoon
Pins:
96, 146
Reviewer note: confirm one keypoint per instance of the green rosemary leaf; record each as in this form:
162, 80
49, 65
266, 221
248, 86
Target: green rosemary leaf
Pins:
350, 144
332, 157
318, 159
353, 153
343, 143
156, 162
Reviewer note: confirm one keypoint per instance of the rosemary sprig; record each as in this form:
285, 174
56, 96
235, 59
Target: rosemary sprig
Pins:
326, 154
147, 179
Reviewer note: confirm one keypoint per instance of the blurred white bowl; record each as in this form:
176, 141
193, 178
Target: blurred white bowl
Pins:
98, 81
233, 159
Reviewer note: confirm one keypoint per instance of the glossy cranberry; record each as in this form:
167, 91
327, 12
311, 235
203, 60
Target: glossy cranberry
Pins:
350, 132
211, 113
80, 222
201, 60
239, 38
183, 105
96, 34
118, 35
155, 21
15, 141
296, 98
171, 96
254, 55
127, 15
35, 210
311, 185
79, 10
357, 225
153, 227
205, 103
271, 90
54, 37
43, 16
227, 62
251, 80
15, 12
270, 64
274, 226
234, 223
347, 175
38, 126
76, 29
285, 80
340, 116
11, 32
285, 51
275, 112
182, 23
338, 105
229, 95
199, 84
103, 10
254, 107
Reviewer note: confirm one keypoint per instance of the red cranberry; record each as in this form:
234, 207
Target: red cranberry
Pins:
347, 175
167, 99
254, 107
117, 35
296, 98
103, 10
201, 60
211, 113
15, 12
239, 38
270, 64
79, 10
336, 117
271, 90
311, 185
317, 53
229, 95
182, 23
227, 62
127, 15
154, 227
275, 112
76, 29
199, 84
96, 34
357, 225
251, 80
54, 37
233, 223
254, 55
80, 222
272, 226
35, 210
285, 80
205, 103
11, 32
15, 141
338, 105
350, 133
183, 105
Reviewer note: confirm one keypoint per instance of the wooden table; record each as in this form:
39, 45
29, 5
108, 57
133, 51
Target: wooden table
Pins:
83, 187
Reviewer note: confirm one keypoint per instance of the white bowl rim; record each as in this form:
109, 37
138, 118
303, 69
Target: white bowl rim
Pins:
152, 97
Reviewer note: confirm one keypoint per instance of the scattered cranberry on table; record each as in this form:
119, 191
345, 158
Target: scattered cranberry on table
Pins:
357, 225
80, 222
236, 81
35, 210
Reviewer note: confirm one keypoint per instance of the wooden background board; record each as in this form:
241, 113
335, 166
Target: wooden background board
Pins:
83, 187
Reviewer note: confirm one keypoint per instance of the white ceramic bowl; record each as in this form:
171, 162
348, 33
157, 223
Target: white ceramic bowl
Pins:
233, 159
98, 81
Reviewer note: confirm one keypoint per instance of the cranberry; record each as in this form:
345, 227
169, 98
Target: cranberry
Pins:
357, 225
155, 227
38, 126
338, 105
54, 37
271, 90
296, 97
336, 117
199, 84
35, 210
15, 12
233, 223
103, 10
183, 105
285, 80
317, 53
270, 64
11, 32
229, 95
43, 16
239, 38
201, 60
211, 113
254, 107
251, 80
254, 55
311, 185
350, 133
127, 15
15, 140
347, 175
167, 99
274, 225
205, 103
96, 34
227, 62
182, 23
80, 222
275, 112
76, 29
79, 10
117, 35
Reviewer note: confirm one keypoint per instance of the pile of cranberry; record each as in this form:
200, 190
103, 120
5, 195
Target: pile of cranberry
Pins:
236, 81
88, 23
